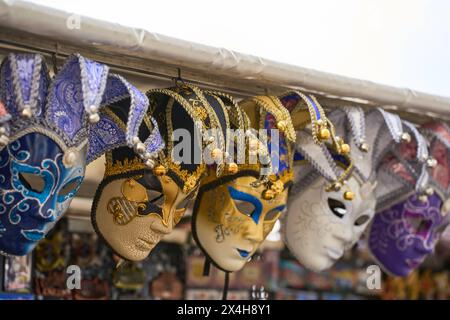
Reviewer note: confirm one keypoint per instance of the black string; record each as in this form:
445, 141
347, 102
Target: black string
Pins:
179, 78
206, 267
55, 64
156, 198
225, 286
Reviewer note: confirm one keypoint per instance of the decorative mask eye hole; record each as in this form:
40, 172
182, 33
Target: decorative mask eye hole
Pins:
32, 181
151, 182
272, 215
361, 220
155, 197
337, 207
244, 207
68, 187
418, 225
185, 202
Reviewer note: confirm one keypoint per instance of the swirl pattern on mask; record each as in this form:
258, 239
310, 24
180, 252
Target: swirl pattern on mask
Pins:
401, 236
24, 210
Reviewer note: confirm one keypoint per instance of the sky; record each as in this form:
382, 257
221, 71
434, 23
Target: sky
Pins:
404, 43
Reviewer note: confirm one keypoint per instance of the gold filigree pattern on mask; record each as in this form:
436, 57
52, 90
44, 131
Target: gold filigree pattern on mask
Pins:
120, 167
125, 208
194, 102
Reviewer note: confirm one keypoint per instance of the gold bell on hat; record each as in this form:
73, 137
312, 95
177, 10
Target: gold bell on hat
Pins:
348, 195
268, 194
345, 148
159, 170
216, 153
281, 125
324, 134
232, 168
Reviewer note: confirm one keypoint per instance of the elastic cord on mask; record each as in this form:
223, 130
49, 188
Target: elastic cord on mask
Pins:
225, 286
206, 267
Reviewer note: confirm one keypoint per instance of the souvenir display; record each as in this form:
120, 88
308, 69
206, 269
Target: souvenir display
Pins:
166, 286
45, 141
413, 201
146, 189
129, 276
17, 274
333, 199
50, 259
345, 191
233, 214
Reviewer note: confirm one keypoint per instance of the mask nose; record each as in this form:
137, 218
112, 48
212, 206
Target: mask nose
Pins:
254, 233
345, 234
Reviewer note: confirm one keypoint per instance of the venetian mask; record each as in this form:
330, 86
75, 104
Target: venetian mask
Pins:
233, 220
324, 224
233, 214
333, 198
136, 208
402, 235
43, 165
140, 199
37, 190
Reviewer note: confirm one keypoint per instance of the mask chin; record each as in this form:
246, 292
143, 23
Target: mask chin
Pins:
320, 226
37, 188
232, 220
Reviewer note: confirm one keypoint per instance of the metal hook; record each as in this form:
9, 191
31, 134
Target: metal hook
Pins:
178, 78
55, 60
54, 63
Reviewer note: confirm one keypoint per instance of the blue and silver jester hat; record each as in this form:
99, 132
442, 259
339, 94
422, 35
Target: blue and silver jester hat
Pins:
119, 123
333, 200
43, 165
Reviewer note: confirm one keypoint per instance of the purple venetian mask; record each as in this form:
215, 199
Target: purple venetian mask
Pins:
402, 235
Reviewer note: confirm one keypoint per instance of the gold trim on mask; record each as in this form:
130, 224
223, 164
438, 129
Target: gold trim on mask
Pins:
190, 180
125, 208
322, 131
272, 105
199, 109
118, 167
257, 109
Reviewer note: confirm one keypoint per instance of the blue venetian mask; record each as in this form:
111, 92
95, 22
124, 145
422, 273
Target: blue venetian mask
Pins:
36, 189
46, 139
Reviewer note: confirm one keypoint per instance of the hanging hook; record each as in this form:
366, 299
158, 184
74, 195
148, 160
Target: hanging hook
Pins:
55, 60
178, 78
55, 64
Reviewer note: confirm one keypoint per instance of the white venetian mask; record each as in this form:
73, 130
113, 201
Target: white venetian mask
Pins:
321, 225
322, 220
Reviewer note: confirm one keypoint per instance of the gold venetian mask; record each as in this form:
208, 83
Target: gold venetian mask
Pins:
233, 219
133, 213
141, 199
233, 214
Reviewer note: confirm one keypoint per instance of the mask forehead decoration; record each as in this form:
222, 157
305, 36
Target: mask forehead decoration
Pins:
405, 230
331, 201
234, 213
146, 188
46, 122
